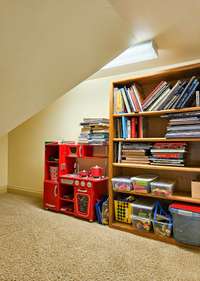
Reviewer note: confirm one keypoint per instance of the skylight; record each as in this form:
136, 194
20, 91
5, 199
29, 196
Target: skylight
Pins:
135, 54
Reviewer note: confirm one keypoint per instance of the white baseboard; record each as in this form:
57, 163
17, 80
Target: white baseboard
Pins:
24, 191
3, 189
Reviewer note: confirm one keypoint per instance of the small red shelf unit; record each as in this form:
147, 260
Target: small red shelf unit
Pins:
56, 165
64, 190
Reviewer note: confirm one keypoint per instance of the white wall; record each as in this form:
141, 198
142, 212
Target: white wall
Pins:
3, 162
59, 121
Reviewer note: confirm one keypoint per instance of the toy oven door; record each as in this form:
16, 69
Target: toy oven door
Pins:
82, 203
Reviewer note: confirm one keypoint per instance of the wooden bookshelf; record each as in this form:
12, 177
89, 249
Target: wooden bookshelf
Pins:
155, 133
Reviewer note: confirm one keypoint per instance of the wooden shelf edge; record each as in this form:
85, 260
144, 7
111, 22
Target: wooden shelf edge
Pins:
160, 112
155, 167
150, 235
157, 140
175, 197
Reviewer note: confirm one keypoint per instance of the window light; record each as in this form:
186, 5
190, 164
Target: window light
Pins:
138, 53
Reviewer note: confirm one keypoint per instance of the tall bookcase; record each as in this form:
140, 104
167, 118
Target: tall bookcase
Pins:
155, 131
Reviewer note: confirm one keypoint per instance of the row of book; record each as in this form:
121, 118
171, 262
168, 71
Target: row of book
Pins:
127, 99
132, 127
168, 153
184, 93
161, 153
94, 131
183, 125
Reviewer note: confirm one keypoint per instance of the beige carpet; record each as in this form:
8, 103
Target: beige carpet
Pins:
40, 245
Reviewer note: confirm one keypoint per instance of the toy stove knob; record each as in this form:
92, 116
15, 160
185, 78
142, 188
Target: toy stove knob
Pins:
76, 182
89, 184
82, 183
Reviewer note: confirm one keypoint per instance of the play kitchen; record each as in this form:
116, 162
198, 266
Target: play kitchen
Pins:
80, 186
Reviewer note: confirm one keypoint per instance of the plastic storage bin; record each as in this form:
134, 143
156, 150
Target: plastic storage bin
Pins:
122, 184
162, 187
141, 223
143, 208
162, 221
141, 183
123, 210
186, 223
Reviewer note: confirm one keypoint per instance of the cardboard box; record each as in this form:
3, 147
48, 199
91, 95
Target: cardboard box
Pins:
195, 187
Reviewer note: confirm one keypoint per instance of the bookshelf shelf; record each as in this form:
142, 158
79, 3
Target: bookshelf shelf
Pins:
156, 140
178, 196
157, 167
154, 131
158, 113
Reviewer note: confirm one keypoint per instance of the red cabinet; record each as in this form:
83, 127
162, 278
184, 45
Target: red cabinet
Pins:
50, 199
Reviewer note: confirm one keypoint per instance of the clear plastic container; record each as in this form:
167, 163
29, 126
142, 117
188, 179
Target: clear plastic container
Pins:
186, 223
162, 187
162, 228
143, 208
143, 224
122, 184
142, 183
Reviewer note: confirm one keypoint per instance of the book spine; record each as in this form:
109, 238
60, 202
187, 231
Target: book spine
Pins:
155, 97
186, 98
124, 127
125, 100
140, 127
133, 127
119, 158
183, 92
132, 107
168, 155
197, 98
138, 97
156, 89
128, 128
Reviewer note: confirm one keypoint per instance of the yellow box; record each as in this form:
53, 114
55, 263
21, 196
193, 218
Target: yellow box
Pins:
123, 211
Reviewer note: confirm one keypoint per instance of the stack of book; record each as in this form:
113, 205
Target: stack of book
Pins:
168, 153
164, 96
183, 125
136, 153
129, 127
94, 131
127, 99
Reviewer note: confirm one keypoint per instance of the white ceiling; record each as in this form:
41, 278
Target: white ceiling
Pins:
47, 47
173, 24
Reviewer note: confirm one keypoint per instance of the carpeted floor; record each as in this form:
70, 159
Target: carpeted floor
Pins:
40, 245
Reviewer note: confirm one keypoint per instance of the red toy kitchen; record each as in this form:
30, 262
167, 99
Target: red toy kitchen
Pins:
74, 179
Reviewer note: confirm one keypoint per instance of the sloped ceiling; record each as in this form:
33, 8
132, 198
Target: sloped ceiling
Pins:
48, 46
173, 24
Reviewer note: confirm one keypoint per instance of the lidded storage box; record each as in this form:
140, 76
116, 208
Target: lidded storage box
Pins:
141, 183
162, 187
122, 184
186, 223
142, 214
